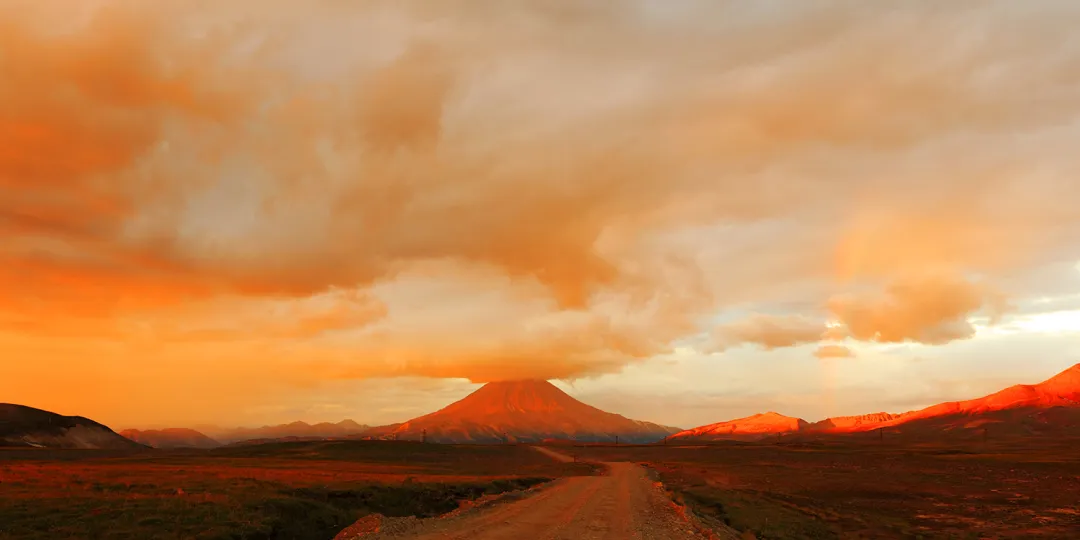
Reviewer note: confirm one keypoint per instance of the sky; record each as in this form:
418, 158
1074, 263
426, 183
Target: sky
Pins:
245, 212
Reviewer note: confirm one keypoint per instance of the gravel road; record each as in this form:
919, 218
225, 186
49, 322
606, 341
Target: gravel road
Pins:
623, 504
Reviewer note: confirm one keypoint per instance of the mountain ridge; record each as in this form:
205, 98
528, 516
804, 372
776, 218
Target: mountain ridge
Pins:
1061, 390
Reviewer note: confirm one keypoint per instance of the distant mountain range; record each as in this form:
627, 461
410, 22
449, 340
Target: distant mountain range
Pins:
1051, 405
29, 427
324, 430
214, 436
170, 438
537, 411
522, 411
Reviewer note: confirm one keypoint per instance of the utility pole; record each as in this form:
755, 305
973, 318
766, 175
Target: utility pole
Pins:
616, 440
423, 435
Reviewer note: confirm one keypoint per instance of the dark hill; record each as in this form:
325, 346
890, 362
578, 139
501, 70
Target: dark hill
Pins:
23, 426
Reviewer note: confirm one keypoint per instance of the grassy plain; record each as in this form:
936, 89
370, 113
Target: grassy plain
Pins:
304, 490
866, 489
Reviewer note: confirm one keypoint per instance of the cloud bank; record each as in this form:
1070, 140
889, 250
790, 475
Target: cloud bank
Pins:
549, 189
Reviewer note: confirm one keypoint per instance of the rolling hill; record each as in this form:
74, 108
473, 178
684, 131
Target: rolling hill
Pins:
1024, 409
1061, 390
750, 428
23, 426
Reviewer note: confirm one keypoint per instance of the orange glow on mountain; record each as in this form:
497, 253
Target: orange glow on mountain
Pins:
513, 411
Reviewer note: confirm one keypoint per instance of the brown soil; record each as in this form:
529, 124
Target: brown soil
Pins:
622, 504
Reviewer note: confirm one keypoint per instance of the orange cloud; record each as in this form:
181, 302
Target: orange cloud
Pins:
930, 309
402, 104
770, 332
524, 191
267, 320
83, 108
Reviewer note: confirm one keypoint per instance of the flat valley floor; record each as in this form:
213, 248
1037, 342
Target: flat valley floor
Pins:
1018, 488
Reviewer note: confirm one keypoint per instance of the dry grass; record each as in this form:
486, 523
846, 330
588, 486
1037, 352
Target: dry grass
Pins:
1017, 489
292, 490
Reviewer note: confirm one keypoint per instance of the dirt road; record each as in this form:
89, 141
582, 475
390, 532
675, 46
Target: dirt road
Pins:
621, 505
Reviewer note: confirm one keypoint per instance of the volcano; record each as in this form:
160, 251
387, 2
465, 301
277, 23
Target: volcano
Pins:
523, 411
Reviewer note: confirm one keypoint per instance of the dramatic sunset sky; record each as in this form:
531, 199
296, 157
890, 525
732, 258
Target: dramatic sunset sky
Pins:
251, 212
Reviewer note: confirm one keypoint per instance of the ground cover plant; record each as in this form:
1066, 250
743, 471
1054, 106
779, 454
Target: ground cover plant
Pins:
306, 490
863, 489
